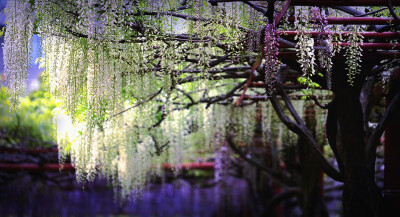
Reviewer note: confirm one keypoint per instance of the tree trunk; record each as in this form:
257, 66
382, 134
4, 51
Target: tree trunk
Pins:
361, 197
392, 153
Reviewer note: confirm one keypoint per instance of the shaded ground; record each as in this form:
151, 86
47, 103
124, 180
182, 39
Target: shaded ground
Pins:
193, 193
30, 196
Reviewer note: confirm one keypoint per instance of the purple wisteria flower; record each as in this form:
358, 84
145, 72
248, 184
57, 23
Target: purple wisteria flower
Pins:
271, 56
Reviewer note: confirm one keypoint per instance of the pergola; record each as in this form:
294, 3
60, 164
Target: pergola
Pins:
384, 30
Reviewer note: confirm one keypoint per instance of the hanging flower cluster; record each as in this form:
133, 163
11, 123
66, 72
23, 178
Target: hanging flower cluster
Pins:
271, 56
242, 123
324, 40
305, 44
221, 163
252, 32
254, 35
17, 46
353, 54
306, 55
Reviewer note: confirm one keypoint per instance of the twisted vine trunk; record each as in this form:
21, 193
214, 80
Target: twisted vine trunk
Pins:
361, 197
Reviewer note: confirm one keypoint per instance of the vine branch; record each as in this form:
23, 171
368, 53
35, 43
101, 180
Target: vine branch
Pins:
392, 111
278, 177
302, 131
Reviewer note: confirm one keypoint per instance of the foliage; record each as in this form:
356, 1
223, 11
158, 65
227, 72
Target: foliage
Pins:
31, 125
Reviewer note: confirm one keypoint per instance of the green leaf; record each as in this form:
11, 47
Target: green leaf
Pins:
302, 80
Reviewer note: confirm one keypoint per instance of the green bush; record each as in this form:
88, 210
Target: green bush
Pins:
29, 126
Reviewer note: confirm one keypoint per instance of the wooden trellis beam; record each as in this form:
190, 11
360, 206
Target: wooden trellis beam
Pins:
378, 46
356, 20
293, 97
29, 150
191, 166
366, 55
328, 3
375, 35
31, 167
375, 46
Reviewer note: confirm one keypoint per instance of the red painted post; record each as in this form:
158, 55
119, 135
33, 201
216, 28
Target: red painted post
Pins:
257, 84
343, 2
321, 177
357, 20
245, 89
191, 166
255, 98
392, 160
329, 2
30, 167
277, 190
380, 55
360, 20
375, 35
28, 150
375, 46
381, 46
